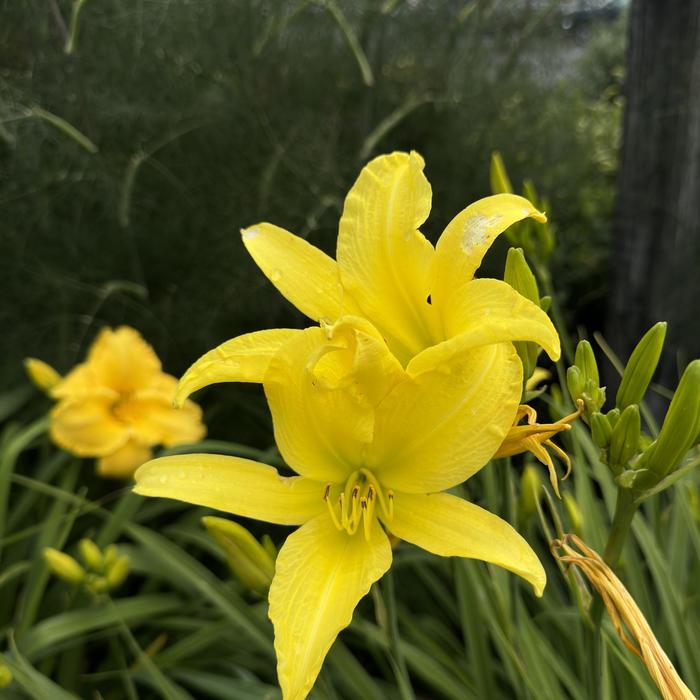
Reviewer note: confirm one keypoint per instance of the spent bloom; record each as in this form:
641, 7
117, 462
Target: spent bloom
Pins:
375, 449
117, 404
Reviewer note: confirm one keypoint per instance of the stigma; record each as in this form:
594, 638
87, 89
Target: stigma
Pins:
361, 499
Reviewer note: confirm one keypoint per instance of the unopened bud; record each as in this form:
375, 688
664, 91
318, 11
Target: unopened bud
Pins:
613, 415
110, 555
624, 440
64, 566
247, 558
43, 376
574, 513
117, 572
681, 425
641, 367
575, 382
519, 275
530, 491
91, 555
5, 675
500, 183
601, 429
586, 362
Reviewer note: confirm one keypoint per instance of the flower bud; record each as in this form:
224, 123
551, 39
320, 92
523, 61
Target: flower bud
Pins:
624, 440
641, 366
500, 183
110, 555
91, 554
574, 513
43, 376
248, 559
575, 382
64, 566
613, 415
5, 675
530, 491
586, 362
601, 429
117, 572
680, 427
519, 275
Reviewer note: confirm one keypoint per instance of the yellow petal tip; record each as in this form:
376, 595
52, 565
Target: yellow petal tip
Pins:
539, 216
250, 232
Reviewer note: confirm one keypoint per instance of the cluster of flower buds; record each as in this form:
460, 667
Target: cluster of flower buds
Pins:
101, 571
519, 276
637, 460
252, 562
534, 237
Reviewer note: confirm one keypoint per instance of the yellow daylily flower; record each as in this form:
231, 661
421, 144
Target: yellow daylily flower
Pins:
533, 437
424, 300
118, 404
374, 449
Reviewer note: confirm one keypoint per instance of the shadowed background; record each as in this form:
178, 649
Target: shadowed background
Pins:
129, 165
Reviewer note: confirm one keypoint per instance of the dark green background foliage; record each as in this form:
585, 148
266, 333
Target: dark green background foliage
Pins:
210, 115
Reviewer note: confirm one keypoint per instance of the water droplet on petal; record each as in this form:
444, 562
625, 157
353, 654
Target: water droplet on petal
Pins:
163, 479
276, 275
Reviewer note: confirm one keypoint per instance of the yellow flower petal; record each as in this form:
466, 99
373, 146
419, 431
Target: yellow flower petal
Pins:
122, 463
303, 274
86, 427
321, 575
81, 380
154, 419
382, 256
320, 430
241, 359
122, 360
489, 311
466, 239
234, 485
438, 429
452, 527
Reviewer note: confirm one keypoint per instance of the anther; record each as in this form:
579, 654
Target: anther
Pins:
326, 492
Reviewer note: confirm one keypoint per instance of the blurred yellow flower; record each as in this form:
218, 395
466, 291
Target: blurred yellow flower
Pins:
117, 404
424, 300
375, 449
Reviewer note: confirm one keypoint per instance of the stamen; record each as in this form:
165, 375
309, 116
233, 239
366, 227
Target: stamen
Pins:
390, 498
331, 507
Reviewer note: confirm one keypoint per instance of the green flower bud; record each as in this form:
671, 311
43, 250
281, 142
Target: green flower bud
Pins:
63, 566
575, 382
530, 491
91, 554
269, 546
680, 427
96, 583
585, 361
641, 366
624, 440
519, 275
574, 513
499, 177
5, 675
601, 430
613, 415
117, 573
110, 555
545, 303
248, 559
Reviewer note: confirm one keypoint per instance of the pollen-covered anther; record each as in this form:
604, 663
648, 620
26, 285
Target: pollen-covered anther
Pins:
357, 503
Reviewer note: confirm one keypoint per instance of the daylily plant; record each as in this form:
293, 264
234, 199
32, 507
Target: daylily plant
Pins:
117, 404
375, 448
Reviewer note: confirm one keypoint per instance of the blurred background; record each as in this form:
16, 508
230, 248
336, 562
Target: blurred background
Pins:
137, 137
